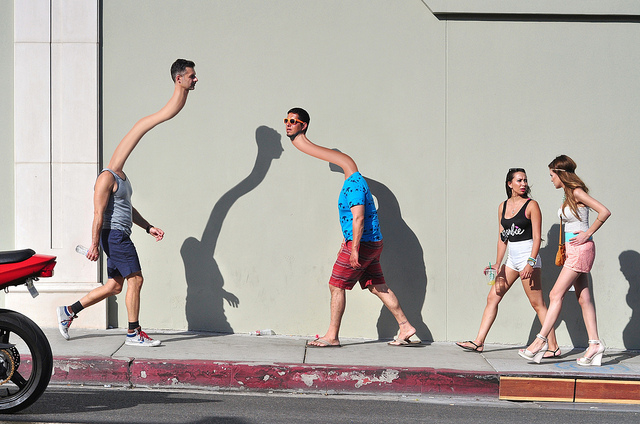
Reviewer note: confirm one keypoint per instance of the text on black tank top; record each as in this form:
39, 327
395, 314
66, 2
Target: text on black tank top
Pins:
517, 228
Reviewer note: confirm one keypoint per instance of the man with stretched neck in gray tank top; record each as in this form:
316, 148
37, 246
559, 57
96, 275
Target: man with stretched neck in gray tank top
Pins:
114, 215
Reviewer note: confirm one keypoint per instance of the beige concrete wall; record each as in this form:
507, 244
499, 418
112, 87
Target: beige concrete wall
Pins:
433, 111
520, 93
371, 74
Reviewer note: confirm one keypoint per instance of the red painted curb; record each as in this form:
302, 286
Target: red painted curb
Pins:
88, 370
274, 377
193, 373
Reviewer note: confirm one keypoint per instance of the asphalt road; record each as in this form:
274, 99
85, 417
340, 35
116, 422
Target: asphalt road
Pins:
117, 405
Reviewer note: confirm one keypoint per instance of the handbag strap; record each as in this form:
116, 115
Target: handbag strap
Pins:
560, 239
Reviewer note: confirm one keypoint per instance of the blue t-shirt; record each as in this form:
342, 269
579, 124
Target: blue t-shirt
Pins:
355, 191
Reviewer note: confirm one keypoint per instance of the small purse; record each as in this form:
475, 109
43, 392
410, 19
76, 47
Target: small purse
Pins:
562, 254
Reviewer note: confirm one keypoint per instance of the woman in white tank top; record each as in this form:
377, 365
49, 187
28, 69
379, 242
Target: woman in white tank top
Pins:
580, 253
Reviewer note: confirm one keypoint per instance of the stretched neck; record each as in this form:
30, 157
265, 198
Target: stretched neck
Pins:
302, 143
130, 141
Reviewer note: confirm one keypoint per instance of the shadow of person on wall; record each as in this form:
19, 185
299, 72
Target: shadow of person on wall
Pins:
571, 312
630, 268
204, 303
402, 262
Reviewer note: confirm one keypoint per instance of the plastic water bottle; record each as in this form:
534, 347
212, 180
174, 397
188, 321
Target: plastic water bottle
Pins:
267, 332
82, 250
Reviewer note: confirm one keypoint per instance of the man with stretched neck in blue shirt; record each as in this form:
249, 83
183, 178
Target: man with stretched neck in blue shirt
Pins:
359, 257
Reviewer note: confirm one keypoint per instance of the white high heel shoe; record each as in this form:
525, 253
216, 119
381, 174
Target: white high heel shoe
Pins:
535, 356
596, 358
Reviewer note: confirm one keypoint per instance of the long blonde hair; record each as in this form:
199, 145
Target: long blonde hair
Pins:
565, 169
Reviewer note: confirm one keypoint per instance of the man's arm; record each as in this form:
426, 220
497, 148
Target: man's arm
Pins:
103, 189
141, 222
358, 227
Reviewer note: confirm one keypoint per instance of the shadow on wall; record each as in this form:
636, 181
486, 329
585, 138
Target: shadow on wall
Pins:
630, 268
112, 311
571, 312
205, 294
402, 263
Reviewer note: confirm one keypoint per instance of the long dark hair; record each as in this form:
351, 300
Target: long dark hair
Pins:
565, 169
510, 175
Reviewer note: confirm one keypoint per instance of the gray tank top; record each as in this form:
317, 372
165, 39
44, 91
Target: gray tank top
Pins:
118, 214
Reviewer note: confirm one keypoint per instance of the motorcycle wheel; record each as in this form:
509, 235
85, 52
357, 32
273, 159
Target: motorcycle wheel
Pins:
22, 384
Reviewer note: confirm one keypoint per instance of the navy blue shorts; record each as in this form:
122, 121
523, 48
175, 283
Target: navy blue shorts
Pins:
122, 257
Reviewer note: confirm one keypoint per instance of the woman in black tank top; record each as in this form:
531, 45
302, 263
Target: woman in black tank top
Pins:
520, 224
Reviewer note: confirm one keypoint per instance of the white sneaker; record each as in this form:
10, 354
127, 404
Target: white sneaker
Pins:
64, 321
140, 338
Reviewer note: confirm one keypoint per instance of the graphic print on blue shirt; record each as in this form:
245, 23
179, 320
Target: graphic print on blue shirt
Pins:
355, 191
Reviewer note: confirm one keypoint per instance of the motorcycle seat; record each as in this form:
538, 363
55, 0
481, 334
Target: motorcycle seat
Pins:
13, 256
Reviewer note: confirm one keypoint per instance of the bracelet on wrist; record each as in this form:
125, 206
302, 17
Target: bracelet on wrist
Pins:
532, 261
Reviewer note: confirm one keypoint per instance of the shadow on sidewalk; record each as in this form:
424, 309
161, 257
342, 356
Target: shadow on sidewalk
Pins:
205, 294
618, 357
381, 342
630, 268
184, 336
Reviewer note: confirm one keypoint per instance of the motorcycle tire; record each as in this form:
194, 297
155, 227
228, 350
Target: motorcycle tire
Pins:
19, 391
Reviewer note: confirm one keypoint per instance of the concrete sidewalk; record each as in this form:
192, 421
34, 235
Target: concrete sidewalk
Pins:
284, 363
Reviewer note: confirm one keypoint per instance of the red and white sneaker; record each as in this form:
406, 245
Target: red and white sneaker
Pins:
140, 338
64, 321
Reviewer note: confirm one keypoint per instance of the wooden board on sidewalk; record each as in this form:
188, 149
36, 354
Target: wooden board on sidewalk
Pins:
537, 389
606, 391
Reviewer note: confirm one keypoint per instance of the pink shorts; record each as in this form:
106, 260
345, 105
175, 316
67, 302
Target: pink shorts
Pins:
369, 273
580, 258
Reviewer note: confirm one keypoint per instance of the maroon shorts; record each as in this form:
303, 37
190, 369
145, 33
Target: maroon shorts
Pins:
369, 273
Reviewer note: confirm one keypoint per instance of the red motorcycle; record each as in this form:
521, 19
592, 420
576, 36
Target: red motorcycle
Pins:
26, 361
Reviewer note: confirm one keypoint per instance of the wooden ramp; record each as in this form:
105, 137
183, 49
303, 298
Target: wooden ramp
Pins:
569, 390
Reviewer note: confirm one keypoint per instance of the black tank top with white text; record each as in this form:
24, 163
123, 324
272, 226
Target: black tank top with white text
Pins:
517, 228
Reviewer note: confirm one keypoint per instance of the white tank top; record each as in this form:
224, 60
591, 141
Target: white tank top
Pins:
572, 223
118, 213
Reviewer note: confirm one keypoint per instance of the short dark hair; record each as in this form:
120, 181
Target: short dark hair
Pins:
179, 66
302, 114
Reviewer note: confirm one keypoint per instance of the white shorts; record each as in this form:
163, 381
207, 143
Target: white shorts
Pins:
517, 254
